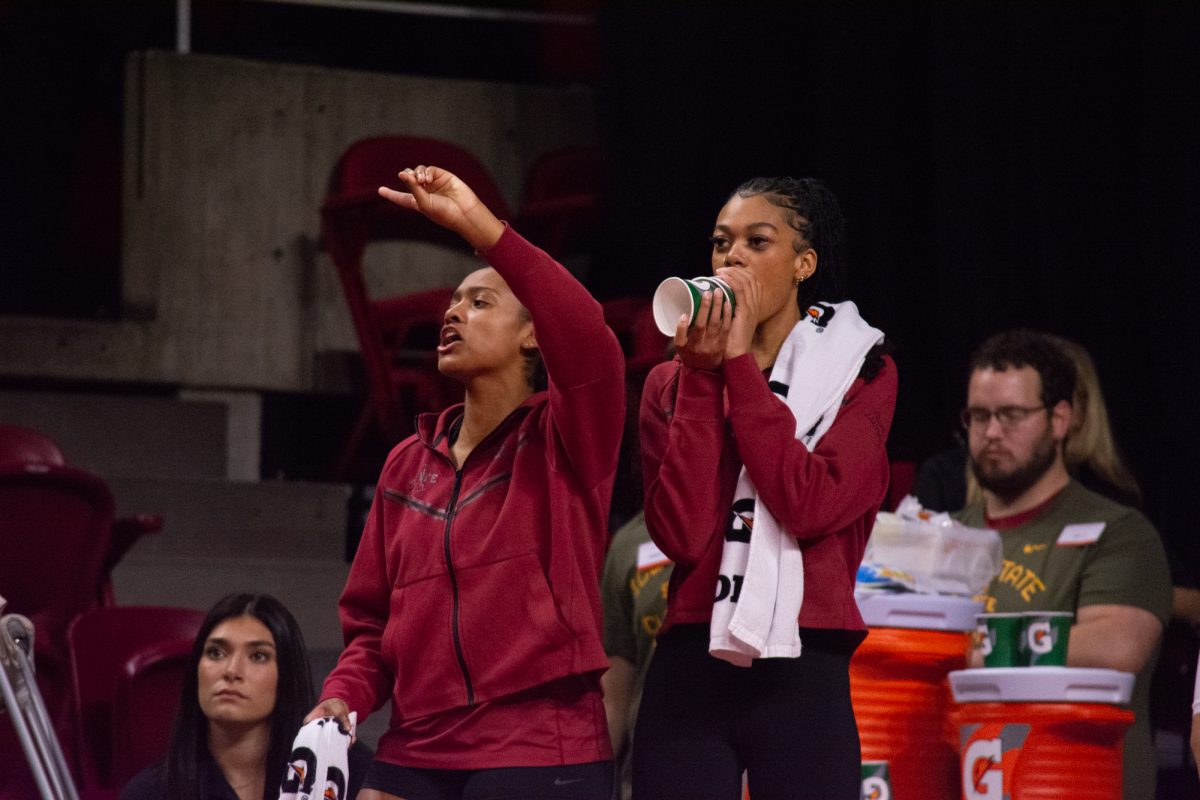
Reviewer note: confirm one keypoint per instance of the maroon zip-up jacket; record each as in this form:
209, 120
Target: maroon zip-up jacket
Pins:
699, 427
473, 585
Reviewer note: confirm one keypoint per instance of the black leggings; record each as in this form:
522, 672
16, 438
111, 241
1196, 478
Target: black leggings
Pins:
787, 722
570, 782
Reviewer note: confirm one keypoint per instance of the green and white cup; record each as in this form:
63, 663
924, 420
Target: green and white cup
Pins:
1044, 640
676, 297
1000, 638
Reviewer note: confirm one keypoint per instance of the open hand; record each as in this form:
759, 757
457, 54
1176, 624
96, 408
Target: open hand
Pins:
449, 202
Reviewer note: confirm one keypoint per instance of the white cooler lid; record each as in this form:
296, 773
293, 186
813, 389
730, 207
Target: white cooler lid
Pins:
1041, 685
911, 610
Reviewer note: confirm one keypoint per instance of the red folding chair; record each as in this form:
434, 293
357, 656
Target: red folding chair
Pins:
24, 446
55, 528
147, 700
127, 667
402, 375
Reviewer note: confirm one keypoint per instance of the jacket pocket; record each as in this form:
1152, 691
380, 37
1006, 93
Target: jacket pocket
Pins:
418, 643
512, 630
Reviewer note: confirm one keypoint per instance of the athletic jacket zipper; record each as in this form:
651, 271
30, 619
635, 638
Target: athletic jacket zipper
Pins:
451, 507
454, 625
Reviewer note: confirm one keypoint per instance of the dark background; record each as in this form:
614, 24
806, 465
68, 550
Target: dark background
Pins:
1001, 165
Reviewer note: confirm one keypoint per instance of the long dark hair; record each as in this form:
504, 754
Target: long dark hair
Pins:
814, 213
293, 697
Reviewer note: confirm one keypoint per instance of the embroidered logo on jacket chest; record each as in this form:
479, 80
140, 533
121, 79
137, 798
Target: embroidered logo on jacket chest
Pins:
424, 478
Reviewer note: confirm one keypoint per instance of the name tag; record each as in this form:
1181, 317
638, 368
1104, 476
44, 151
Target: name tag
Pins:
650, 556
1080, 534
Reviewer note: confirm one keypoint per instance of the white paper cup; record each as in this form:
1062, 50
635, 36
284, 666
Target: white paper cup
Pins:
677, 297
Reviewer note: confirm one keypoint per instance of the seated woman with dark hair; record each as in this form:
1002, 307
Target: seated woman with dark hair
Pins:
244, 697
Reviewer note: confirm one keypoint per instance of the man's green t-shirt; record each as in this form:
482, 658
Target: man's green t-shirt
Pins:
634, 593
1084, 550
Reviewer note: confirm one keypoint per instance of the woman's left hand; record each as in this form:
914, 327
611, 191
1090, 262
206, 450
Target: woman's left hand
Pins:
448, 201
747, 292
333, 707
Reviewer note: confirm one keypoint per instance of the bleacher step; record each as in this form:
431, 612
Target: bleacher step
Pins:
235, 519
115, 435
308, 587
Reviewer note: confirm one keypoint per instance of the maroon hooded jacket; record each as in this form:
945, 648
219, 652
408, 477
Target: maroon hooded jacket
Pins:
474, 590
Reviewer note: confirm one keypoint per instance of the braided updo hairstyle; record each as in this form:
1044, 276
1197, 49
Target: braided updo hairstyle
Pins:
815, 214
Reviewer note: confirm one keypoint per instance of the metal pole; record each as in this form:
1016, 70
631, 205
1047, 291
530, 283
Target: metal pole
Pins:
183, 26
32, 724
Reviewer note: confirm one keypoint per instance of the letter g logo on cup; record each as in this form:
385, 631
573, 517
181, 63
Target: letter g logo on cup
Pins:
1040, 637
876, 789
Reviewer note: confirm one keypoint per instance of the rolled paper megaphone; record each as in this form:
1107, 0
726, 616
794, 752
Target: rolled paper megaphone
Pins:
677, 297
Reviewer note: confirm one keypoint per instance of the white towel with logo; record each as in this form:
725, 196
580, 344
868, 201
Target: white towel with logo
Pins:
319, 767
761, 583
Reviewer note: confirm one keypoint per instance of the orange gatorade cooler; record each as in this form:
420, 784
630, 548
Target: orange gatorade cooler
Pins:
1041, 733
901, 697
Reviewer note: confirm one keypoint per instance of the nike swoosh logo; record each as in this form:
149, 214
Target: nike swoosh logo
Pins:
561, 782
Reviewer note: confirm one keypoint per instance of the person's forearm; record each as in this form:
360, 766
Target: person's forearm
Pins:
1097, 644
481, 228
619, 687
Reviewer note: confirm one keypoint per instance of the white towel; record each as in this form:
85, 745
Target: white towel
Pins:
761, 584
319, 766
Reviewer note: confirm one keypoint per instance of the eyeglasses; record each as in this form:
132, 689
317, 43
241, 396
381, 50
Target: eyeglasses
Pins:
1008, 416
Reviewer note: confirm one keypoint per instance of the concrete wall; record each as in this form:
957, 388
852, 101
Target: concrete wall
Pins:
226, 165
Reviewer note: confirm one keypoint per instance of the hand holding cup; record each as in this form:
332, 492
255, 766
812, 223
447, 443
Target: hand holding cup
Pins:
698, 313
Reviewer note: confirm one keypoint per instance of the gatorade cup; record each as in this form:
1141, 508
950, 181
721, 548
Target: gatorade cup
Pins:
1044, 643
1000, 639
676, 297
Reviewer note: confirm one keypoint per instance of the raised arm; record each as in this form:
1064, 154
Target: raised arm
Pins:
582, 357
584, 363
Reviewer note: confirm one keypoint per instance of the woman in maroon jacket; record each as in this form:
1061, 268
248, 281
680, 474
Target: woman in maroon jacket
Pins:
473, 600
787, 722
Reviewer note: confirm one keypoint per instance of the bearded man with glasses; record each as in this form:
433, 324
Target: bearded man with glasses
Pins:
1065, 548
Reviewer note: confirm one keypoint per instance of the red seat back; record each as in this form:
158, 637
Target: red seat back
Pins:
147, 701
55, 524
560, 211
354, 213
22, 445
102, 643
632, 320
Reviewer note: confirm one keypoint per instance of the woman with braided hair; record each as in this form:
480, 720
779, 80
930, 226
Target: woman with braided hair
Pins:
764, 461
